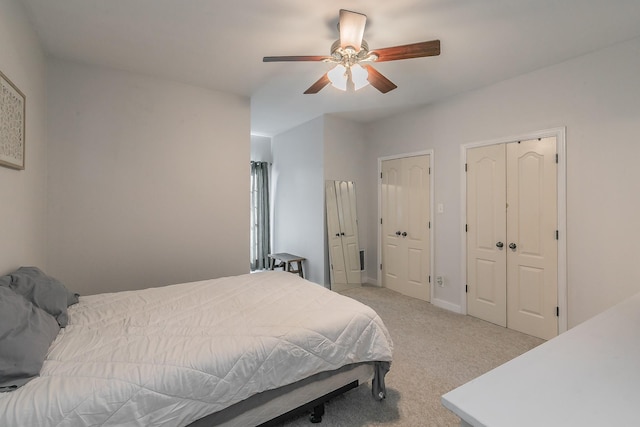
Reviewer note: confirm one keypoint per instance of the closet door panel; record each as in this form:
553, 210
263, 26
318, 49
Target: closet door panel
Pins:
415, 271
416, 177
416, 188
487, 278
532, 284
392, 224
486, 234
530, 287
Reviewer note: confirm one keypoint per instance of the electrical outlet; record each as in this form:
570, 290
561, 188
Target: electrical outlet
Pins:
440, 281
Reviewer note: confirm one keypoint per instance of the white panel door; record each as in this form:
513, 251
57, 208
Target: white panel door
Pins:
392, 222
512, 251
486, 234
532, 272
405, 226
417, 218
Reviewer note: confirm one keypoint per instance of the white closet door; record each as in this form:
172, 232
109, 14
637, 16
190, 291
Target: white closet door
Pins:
512, 251
392, 268
486, 234
405, 226
532, 272
416, 188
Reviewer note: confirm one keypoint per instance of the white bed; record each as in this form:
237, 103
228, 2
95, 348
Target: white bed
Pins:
176, 354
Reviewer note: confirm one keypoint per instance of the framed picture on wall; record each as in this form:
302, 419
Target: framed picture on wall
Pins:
12, 126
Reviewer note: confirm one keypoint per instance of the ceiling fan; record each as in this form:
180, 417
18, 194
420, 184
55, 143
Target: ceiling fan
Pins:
351, 55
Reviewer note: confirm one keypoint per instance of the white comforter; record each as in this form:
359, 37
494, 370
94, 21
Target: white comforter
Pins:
171, 355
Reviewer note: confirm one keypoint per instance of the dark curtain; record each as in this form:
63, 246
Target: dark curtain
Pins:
260, 233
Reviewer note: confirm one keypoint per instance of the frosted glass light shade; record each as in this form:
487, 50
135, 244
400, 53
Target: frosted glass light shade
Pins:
359, 76
338, 77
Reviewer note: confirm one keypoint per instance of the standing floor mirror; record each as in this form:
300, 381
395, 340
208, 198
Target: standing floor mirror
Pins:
342, 234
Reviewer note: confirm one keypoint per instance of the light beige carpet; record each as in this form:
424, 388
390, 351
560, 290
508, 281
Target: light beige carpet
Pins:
435, 351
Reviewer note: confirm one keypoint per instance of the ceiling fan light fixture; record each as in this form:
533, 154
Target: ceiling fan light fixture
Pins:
359, 76
338, 77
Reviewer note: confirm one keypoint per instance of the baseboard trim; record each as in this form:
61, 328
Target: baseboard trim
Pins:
447, 305
370, 281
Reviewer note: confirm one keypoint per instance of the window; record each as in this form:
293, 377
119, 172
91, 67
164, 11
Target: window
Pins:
260, 233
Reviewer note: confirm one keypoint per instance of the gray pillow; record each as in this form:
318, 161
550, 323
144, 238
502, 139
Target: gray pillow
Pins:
72, 297
26, 332
43, 291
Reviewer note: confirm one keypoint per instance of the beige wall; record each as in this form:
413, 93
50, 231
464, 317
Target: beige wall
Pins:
23, 238
149, 180
596, 98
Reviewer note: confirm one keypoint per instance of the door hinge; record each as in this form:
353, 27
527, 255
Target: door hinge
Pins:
429, 278
466, 289
466, 228
556, 157
380, 266
429, 171
429, 225
380, 175
557, 311
465, 167
557, 235
380, 221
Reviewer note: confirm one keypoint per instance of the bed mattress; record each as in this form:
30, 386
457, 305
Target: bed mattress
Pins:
174, 354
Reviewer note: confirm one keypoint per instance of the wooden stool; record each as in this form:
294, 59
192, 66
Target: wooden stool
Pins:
285, 261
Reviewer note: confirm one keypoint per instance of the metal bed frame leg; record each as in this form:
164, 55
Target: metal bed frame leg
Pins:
317, 413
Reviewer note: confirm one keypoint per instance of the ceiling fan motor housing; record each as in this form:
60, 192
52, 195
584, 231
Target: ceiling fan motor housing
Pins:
348, 56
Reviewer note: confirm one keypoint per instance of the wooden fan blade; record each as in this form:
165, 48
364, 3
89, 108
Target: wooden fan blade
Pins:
317, 86
408, 51
379, 81
294, 58
351, 28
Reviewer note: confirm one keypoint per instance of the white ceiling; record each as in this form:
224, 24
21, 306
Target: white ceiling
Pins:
220, 44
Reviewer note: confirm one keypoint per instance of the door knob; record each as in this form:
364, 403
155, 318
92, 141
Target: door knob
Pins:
342, 234
512, 246
499, 245
397, 233
337, 234
404, 234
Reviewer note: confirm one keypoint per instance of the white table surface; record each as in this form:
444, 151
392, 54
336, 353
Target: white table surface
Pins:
587, 376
